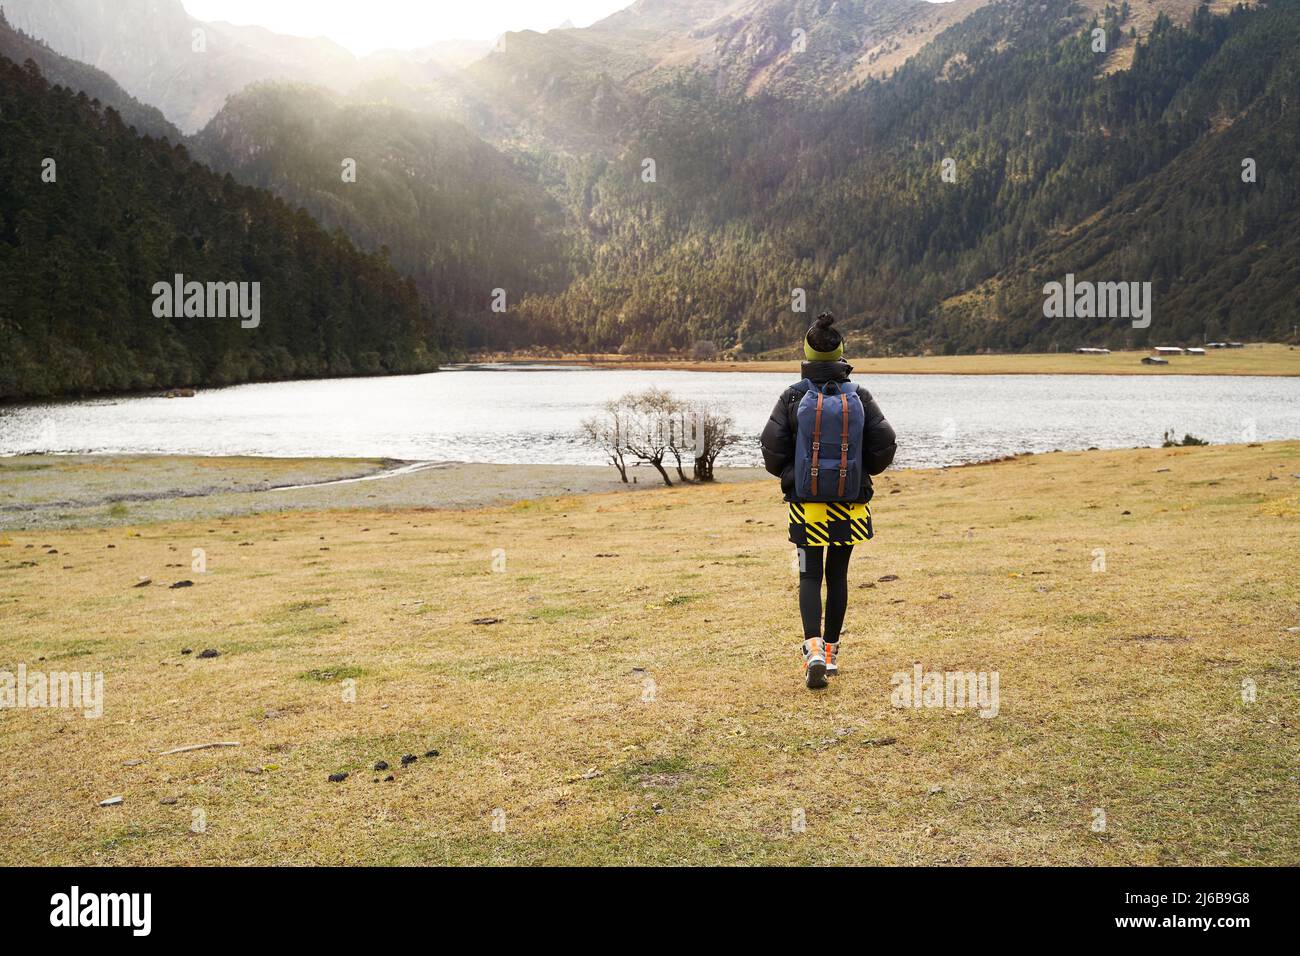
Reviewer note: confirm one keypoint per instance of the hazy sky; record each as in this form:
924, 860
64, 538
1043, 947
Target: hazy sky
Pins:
364, 26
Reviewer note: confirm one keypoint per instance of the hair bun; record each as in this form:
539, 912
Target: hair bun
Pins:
825, 320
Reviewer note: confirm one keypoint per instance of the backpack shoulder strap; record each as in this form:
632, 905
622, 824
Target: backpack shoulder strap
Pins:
844, 440
817, 441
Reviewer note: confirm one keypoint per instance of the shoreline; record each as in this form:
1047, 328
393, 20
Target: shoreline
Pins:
1252, 361
67, 492
57, 492
1258, 360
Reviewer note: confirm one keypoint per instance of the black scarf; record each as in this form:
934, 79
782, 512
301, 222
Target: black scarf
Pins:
819, 373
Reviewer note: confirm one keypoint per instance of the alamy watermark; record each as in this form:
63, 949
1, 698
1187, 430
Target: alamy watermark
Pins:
57, 690
951, 690
212, 300
75, 908
684, 431
1098, 300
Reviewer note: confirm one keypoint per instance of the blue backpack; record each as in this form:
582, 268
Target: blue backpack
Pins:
828, 442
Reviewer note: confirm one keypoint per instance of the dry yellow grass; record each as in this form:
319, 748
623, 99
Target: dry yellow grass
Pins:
1120, 691
1251, 360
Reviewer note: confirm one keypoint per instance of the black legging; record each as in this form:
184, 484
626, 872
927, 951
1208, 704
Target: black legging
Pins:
837, 589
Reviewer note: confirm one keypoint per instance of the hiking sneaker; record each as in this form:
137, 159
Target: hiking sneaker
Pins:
832, 659
814, 662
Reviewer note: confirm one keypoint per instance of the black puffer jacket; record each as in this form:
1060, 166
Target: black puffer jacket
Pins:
878, 439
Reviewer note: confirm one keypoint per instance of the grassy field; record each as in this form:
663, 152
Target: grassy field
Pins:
1251, 360
637, 698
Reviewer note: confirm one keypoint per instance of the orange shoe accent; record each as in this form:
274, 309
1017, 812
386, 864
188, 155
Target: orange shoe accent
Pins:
812, 650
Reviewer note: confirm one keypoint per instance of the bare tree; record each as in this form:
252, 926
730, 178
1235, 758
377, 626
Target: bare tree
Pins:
713, 433
607, 432
653, 425
648, 434
683, 432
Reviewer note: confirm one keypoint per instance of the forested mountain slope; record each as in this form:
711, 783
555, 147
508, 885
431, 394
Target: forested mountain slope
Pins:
84, 241
1059, 166
457, 215
1220, 246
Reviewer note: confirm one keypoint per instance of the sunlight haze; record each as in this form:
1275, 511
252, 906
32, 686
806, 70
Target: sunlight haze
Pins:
402, 24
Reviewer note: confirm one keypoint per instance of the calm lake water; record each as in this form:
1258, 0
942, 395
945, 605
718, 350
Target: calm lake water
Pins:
519, 414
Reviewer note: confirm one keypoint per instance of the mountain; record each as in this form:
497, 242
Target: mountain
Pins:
454, 213
789, 48
96, 84
445, 55
1222, 253
585, 91
814, 168
163, 56
85, 241
678, 170
188, 67
1063, 165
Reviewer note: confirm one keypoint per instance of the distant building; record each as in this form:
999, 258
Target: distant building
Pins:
1196, 351
1216, 345
1236, 345
1091, 351
1152, 360
1167, 350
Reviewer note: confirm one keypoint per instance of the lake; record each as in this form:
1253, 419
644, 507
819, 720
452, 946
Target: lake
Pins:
530, 414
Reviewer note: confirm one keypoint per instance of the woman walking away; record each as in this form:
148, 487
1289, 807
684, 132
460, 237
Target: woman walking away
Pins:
825, 440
